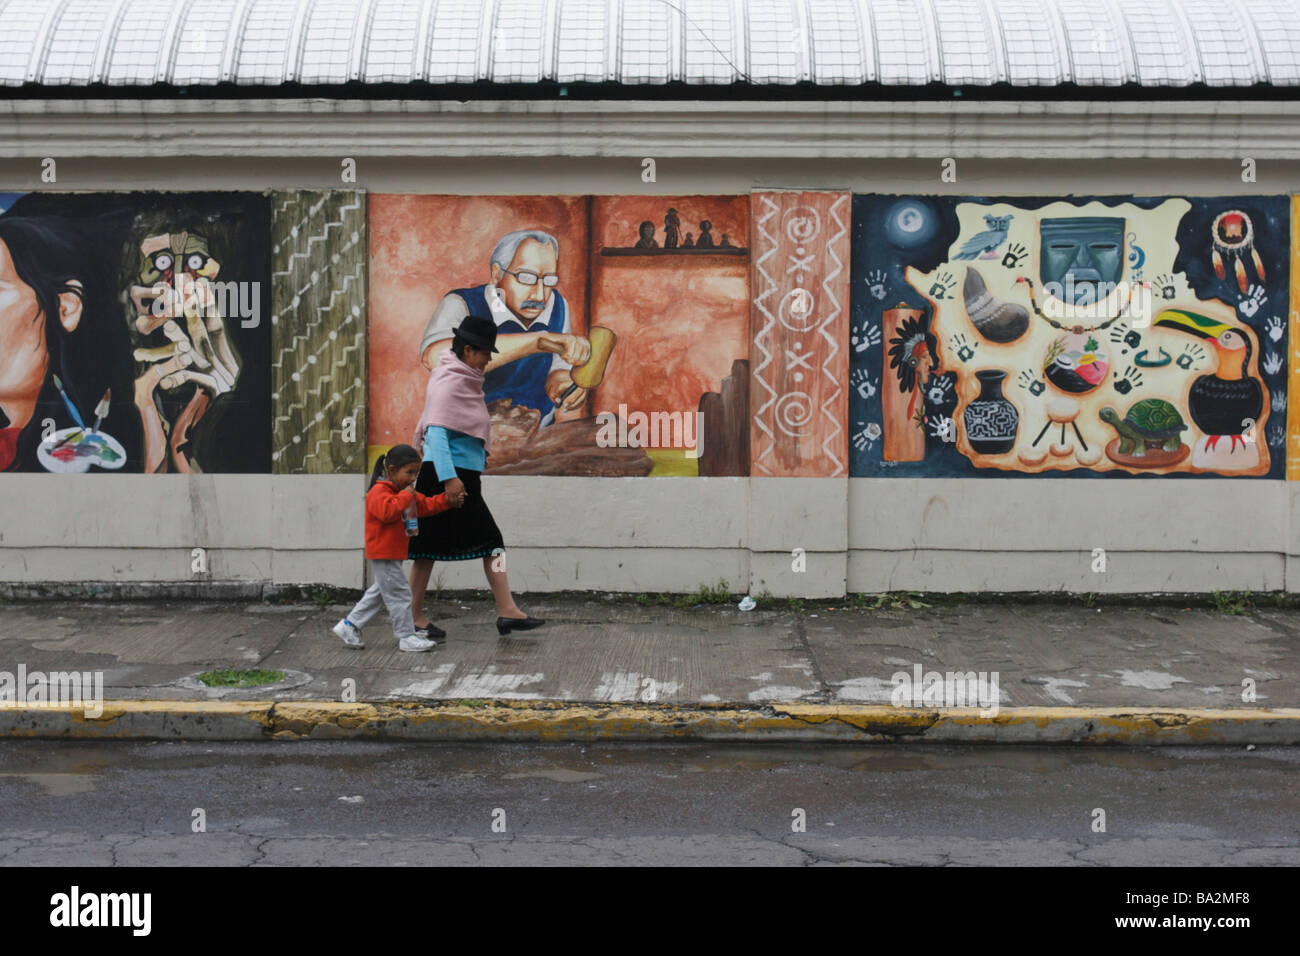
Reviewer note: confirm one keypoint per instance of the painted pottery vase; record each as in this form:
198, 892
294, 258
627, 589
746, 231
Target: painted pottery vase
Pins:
991, 420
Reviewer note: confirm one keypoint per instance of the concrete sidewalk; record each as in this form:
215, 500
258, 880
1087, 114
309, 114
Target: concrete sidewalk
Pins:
609, 667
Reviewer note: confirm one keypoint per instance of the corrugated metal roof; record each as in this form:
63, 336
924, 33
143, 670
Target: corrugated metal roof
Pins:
1155, 43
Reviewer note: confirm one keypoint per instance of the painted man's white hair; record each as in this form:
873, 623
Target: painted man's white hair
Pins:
508, 245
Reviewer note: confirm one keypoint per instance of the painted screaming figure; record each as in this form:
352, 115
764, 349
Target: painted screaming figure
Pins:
175, 286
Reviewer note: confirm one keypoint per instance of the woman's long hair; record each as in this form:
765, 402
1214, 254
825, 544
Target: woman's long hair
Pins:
396, 457
55, 256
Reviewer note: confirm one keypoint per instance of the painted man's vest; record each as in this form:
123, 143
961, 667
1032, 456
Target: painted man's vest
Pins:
522, 381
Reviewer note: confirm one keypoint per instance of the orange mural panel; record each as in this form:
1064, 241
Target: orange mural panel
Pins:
681, 319
421, 248
799, 322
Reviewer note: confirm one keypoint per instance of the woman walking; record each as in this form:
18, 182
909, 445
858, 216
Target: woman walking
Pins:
454, 433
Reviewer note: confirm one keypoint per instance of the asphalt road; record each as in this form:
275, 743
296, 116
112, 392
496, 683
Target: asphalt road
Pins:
330, 804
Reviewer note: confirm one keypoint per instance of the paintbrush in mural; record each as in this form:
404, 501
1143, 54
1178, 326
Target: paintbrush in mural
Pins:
76, 415
102, 408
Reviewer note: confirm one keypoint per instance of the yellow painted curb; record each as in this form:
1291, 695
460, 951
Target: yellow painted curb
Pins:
557, 721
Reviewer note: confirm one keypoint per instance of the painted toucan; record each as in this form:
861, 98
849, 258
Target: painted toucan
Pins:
1229, 401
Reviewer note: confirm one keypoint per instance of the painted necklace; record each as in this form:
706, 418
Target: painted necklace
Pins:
1077, 329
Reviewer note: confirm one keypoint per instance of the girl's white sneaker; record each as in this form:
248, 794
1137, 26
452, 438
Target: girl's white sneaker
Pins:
348, 633
416, 643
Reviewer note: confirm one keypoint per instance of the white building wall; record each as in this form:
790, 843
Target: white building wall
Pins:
675, 534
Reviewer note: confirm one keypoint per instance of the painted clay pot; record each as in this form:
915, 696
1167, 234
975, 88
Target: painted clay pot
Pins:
991, 420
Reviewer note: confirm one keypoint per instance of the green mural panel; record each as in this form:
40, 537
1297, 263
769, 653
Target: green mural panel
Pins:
318, 332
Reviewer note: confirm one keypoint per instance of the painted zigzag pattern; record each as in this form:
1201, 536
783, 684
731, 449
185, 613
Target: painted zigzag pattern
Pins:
318, 332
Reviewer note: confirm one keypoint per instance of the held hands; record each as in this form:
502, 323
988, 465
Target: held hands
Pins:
454, 489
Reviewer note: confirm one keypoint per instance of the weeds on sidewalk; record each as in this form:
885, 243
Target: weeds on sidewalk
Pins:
1233, 602
719, 593
891, 601
237, 678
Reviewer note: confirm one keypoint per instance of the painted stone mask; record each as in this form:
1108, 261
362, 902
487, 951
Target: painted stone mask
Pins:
1078, 254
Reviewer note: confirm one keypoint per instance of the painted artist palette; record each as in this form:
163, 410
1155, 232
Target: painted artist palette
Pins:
72, 451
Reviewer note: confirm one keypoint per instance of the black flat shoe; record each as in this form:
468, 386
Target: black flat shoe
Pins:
507, 624
433, 632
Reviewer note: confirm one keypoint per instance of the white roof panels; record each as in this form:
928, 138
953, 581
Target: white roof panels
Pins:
1156, 43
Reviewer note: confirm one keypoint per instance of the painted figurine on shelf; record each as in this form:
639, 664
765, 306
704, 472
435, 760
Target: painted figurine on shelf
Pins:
689, 242
672, 229
724, 242
706, 236
647, 240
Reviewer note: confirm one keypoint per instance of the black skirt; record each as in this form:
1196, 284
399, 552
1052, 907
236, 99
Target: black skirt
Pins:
460, 533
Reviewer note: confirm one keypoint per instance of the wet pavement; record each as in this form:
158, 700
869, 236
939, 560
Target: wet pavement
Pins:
409, 804
611, 650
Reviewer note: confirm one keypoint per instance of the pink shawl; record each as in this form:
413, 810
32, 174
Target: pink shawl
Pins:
454, 399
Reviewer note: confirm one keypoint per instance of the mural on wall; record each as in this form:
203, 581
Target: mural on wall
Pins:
800, 279
622, 324
1081, 337
132, 334
318, 332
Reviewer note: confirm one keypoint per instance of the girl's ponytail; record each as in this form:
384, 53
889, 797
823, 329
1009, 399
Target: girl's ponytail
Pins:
381, 469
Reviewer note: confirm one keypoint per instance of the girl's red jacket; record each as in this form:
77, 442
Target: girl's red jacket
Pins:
385, 535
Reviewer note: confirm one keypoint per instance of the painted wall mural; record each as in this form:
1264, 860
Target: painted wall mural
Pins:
622, 323
1081, 337
318, 332
781, 333
132, 332
800, 324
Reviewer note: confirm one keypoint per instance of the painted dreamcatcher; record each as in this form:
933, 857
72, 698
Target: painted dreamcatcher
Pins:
1234, 236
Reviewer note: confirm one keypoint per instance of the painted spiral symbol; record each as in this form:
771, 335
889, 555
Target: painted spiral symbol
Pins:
793, 413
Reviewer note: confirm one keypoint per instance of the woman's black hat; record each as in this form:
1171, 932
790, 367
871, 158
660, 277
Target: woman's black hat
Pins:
478, 331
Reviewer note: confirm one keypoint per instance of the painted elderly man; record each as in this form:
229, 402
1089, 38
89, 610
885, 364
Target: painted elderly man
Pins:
536, 349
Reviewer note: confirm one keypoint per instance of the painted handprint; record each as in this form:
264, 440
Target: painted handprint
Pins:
863, 383
1275, 328
1272, 363
865, 335
964, 349
865, 437
943, 285
943, 428
1249, 303
876, 283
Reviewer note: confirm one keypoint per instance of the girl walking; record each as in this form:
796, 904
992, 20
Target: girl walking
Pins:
454, 430
390, 520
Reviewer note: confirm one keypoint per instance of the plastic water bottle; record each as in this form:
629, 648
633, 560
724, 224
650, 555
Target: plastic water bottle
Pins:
411, 519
